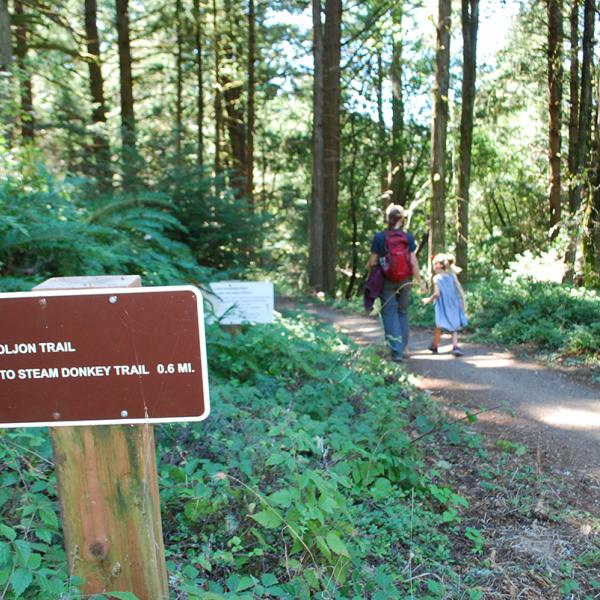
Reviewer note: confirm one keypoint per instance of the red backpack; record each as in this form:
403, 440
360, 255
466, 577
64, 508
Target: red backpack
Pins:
396, 264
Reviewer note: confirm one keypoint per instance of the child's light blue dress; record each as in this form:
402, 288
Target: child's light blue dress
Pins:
449, 314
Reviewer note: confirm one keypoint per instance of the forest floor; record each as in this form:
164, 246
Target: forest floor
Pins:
536, 496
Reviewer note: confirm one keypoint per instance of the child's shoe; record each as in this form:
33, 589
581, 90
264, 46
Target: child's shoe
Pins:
433, 349
457, 351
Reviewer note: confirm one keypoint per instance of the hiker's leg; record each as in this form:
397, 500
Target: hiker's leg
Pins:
391, 320
437, 336
403, 298
454, 339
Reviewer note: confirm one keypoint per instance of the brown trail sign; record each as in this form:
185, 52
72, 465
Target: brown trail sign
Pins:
108, 356
102, 356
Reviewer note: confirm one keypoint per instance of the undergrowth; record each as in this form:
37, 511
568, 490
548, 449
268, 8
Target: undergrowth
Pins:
320, 474
305, 482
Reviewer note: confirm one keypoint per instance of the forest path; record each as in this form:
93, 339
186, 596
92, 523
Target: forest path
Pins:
525, 402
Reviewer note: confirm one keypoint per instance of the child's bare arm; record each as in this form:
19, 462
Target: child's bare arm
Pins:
434, 296
461, 291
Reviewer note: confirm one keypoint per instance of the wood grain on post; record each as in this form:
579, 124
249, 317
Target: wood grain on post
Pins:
108, 491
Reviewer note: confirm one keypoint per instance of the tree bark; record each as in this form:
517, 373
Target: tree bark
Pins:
555, 76
353, 209
573, 102
585, 99
218, 87
591, 244
470, 24
331, 138
326, 147
199, 48
591, 240
316, 230
101, 148
6, 119
381, 134
232, 95
26, 92
579, 132
397, 158
331, 142
128, 133
249, 166
5, 41
574, 190
437, 240
179, 82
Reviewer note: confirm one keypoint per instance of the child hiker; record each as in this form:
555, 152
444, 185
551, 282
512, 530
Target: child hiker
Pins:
449, 298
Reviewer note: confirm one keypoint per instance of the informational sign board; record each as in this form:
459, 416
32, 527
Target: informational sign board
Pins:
99, 357
236, 302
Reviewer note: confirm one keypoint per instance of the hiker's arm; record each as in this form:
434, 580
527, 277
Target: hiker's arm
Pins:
373, 260
415, 267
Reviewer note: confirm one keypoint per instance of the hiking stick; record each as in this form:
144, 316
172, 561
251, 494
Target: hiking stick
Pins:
378, 311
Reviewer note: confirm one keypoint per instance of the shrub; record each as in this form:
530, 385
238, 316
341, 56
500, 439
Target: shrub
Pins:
49, 227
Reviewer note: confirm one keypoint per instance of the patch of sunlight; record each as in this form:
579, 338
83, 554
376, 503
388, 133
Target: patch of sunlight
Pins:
497, 361
435, 384
570, 417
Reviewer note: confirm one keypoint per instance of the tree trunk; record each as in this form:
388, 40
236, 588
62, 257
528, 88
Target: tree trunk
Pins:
398, 175
555, 75
26, 93
331, 138
579, 130
5, 41
585, 99
326, 132
178, 83
6, 120
437, 240
353, 209
592, 233
218, 90
101, 148
573, 102
382, 142
232, 93
199, 48
574, 189
470, 24
316, 232
591, 240
128, 134
250, 107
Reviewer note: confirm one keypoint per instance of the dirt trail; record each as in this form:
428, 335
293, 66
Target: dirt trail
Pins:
532, 404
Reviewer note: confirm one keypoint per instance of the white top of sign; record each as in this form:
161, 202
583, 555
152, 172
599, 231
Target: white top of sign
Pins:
236, 302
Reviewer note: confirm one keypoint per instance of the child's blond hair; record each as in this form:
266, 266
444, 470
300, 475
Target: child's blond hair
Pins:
446, 261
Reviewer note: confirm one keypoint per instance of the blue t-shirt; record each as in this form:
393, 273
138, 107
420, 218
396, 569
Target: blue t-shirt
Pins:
378, 243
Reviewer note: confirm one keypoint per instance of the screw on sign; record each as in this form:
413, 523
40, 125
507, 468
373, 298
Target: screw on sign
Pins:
91, 356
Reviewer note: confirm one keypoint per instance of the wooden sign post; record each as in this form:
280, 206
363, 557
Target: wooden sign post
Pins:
110, 507
107, 476
108, 490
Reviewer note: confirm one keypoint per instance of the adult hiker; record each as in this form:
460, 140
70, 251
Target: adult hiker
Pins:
393, 266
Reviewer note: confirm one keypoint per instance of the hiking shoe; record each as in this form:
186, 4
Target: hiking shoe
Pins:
397, 358
433, 349
457, 351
